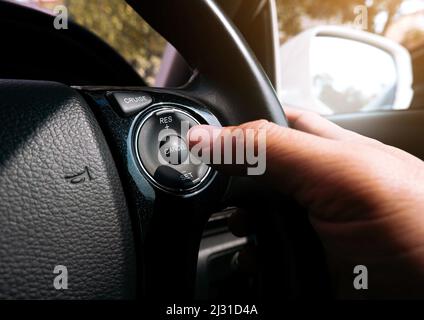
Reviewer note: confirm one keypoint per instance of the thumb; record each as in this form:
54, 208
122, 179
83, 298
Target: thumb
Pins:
283, 156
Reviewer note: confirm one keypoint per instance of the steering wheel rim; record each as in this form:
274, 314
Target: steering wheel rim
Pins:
229, 79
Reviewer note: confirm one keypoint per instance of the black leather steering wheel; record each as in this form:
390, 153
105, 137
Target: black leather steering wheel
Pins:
74, 191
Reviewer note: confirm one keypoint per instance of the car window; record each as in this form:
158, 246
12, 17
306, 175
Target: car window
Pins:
398, 20
120, 26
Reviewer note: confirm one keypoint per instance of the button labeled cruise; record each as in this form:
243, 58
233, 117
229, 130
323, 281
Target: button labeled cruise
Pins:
128, 103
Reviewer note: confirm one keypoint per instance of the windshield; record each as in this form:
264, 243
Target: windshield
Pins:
116, 23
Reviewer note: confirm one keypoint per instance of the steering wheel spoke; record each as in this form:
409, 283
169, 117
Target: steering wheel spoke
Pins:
62, 202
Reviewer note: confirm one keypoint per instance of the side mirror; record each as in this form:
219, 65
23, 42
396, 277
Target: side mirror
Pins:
332, 69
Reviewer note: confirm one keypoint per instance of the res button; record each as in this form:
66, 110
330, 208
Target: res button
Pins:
129, 103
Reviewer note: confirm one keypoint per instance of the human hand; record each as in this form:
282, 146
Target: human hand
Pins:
365, 199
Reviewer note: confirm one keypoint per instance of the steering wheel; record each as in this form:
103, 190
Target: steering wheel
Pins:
80, 186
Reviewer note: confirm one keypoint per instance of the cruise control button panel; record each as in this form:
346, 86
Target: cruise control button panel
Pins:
162, 150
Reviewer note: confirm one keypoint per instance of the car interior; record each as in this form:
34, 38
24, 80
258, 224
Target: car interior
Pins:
80, 184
